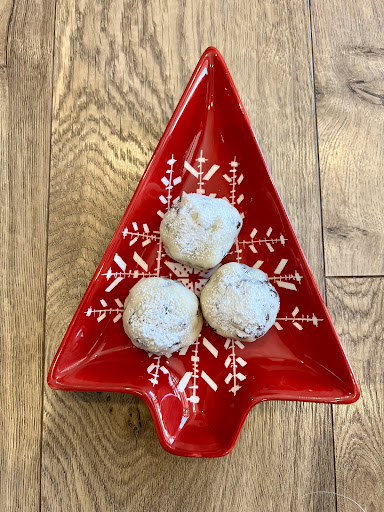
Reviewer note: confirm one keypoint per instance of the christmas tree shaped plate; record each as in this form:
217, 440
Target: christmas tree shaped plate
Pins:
200, 397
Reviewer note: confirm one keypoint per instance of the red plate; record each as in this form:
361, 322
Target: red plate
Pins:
199, 398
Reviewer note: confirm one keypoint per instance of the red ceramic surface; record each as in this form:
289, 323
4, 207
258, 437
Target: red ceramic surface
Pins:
199, 398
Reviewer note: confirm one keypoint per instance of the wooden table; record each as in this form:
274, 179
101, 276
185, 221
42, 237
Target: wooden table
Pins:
86, 90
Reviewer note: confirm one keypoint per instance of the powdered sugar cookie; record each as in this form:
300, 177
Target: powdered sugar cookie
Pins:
161, 316
200, 230
239, 302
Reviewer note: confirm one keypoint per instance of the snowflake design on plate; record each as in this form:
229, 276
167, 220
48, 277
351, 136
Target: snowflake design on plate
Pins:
138, 237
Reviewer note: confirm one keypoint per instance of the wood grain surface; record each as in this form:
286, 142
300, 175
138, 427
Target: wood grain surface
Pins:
86, 90
357, 308
120, 69
348, 54
25, 105
6, 8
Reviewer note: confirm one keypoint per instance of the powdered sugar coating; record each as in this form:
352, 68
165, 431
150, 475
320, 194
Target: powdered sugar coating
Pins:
239, 302
200, 230
161, 316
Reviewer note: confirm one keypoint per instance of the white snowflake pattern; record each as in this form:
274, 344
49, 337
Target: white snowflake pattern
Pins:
195, 374
268, 241
233, 361
154, 368
190, 277
139, 237
298, 321
101, 313
288, 281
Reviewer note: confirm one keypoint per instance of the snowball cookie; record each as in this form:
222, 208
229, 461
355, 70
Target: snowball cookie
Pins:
200, 230
239, 302
161, 315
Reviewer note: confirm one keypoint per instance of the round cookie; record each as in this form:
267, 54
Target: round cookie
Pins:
161, 316
239, 302
200, 230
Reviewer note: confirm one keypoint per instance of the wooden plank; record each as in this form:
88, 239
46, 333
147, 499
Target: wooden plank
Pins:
357, 307
6, 8
119, 71
348, 62
25, 101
